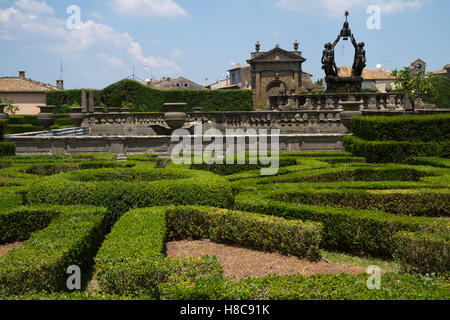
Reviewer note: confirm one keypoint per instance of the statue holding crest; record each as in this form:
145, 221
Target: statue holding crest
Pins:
328, 62
359, 62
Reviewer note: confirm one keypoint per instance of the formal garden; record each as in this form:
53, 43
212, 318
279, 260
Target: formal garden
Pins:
139, 229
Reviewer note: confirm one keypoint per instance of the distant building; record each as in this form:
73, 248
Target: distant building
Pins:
379, 77
241, 76
27, 94
418, 65
445, 72
172, 84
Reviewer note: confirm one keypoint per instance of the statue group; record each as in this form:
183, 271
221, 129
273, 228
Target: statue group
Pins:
329, 63
359, 62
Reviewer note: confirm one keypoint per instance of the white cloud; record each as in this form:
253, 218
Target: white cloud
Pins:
112, 61
149, 8
177, 54
48, 33
337, 7
34, 6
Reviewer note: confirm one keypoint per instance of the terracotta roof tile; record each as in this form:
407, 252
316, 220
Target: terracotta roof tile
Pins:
368, 74
17, 84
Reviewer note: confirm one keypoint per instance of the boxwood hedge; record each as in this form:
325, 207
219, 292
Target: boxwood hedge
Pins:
316, 287
41, 263
423, 128
131, 259
254, 231
123, 189
345, 229
425, 202
7, 149
423, 252
395, 151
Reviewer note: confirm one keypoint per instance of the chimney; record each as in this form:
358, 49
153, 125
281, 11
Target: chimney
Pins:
22, 74
60, 84
206, 81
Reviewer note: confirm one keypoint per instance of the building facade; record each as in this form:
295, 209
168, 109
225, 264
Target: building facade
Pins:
25, 93
273, 70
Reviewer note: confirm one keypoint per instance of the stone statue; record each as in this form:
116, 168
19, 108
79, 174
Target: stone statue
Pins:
328, 62
359, 62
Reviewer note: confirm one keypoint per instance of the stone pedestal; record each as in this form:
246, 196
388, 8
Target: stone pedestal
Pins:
46, 117
351, 108
77, 116
3, 115
344, 84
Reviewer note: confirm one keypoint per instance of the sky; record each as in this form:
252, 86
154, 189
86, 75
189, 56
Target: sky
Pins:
201, 39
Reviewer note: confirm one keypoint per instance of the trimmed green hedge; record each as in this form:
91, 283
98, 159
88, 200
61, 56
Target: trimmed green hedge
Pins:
316, 287
427, 128
345, 229
393, 151
423, 252
7, 149
142, 98
2, 129
146, 99
254, 231
123, 189
22, 128
41, 263
131, 259
224, 169
428, 203
59, 98
23, 119
442, 86
18, 224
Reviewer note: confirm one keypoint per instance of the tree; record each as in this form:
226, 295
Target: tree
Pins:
414, 84
319, 82
10, 106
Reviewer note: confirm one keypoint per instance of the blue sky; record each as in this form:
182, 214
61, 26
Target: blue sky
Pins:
201, 38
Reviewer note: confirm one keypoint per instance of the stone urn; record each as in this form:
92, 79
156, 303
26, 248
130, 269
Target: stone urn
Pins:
175, 117
77, 116
351, 108
4, 116
46, 117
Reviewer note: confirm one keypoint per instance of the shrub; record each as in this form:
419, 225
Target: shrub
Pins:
224, 169
23, 119
7, 149
18, 224
425, 202
146, 99
393, 151
345, 229
248, 230
41, 263
431, 161
62, 98
131, 259
442, 86
316, 287
2, 129
22, 128
123, 189
423, 252
427, 128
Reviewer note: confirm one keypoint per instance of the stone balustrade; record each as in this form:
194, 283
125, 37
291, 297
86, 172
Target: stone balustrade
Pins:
330, 101
311, 121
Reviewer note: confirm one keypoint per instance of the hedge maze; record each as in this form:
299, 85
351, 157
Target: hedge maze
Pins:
113, 220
